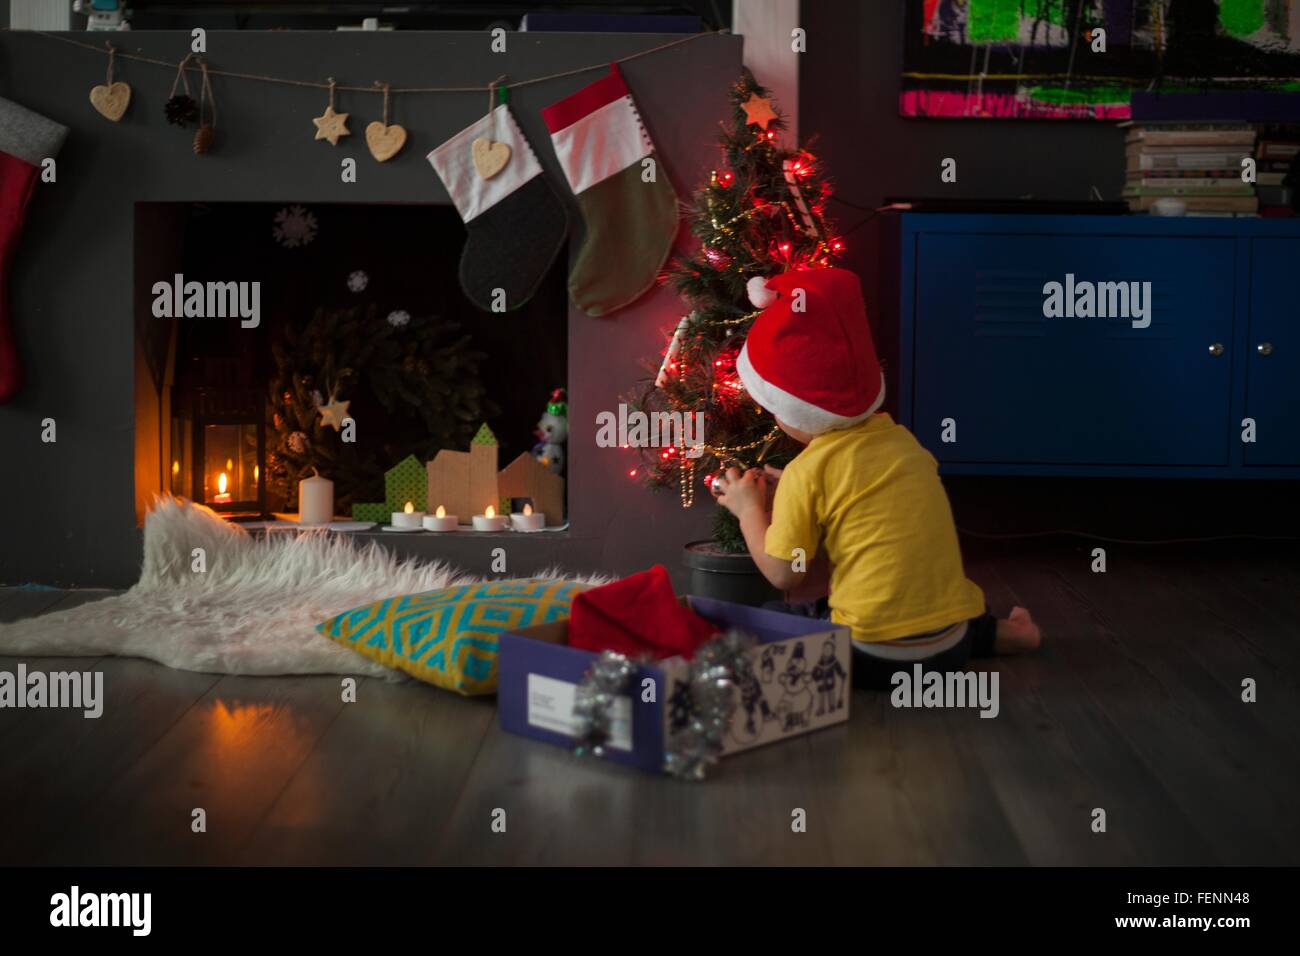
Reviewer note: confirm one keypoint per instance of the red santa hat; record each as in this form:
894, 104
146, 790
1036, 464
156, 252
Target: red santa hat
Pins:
809, 358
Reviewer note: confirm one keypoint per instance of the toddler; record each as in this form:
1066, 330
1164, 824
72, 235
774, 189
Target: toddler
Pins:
862, 490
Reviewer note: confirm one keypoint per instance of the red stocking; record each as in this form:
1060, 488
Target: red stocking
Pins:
26, 139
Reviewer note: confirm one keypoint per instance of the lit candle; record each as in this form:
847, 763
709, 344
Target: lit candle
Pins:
315, 500
222, 497
440, 521
527, 520
489, 521
408, 519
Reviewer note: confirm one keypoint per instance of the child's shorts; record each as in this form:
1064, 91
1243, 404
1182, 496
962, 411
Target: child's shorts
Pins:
873, 670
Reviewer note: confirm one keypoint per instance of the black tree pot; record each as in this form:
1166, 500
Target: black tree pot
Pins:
727, 577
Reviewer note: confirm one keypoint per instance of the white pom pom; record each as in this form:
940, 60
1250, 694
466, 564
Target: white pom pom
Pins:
759, 294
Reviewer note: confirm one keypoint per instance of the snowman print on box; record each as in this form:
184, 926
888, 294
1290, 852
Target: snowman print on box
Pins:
772, 701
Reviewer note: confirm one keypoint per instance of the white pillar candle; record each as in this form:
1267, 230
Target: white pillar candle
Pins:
315, 500
408, 518
490, 521
440, 521
527, 520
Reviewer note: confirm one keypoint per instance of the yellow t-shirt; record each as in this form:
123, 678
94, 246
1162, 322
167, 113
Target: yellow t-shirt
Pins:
871, 495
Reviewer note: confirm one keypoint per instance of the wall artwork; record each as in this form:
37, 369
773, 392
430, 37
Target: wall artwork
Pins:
1045, 59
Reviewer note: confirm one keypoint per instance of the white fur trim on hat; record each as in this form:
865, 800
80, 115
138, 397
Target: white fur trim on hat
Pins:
791, 409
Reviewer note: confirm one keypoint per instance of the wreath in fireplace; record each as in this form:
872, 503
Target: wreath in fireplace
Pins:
409, 388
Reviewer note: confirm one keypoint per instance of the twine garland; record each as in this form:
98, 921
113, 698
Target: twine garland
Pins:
112, 62
312, 84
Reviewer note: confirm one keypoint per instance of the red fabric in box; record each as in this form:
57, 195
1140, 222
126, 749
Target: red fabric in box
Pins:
639, 615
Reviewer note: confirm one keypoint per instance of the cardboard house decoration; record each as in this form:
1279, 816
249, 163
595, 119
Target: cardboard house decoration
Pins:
402, 483
465, 482
526, 477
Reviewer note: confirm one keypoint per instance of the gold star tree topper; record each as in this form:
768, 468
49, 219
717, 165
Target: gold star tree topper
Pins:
758, 111
332, 126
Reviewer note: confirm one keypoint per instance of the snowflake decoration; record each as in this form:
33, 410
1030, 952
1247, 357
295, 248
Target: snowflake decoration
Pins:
294, 227
358, 281
399, 318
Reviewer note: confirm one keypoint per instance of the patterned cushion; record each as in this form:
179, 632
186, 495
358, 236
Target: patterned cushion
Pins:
449, 637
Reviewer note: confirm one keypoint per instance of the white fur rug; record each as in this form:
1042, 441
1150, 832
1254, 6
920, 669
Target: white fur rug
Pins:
254, 611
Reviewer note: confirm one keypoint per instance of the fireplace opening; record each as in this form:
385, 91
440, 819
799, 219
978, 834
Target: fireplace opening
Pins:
278, 341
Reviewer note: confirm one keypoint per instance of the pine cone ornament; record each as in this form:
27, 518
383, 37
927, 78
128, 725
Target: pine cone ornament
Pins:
203, 140
181, 109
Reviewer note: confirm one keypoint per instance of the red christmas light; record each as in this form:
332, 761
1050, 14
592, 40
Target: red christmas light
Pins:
726, 178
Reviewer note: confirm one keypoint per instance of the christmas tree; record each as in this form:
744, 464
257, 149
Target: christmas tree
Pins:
411, 383
761, 213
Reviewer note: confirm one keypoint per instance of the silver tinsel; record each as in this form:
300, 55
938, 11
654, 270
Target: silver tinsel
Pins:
720, 665
606, 680
706, 702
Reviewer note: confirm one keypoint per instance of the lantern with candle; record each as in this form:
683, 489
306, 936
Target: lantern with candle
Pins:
218, 439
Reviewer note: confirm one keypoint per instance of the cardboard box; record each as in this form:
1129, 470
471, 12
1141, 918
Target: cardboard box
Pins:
801, 683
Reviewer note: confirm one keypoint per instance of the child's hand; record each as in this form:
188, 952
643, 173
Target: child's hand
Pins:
739, 493
773, 478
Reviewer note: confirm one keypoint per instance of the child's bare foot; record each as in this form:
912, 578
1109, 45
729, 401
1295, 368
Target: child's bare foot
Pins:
1017, 634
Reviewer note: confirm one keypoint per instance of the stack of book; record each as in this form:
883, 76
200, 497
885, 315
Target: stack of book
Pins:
1200, 164
1276, 150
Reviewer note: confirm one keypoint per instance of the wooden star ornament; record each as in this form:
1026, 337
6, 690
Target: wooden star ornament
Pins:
332, 126
758, 111
334, 413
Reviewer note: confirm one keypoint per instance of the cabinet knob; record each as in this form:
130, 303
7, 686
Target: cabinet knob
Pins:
1264, 348
1216, 349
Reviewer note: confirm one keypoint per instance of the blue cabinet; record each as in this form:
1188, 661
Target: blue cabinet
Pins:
1273, 353
1100, 345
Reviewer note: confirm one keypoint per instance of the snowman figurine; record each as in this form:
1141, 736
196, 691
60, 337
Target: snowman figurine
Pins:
552, 432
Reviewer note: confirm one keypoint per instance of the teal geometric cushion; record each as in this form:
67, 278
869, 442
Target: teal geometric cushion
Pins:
448, 637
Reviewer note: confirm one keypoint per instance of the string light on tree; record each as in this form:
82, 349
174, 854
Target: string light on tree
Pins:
761, 212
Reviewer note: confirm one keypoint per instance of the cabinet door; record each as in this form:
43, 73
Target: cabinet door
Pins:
1021, 387
1273, 368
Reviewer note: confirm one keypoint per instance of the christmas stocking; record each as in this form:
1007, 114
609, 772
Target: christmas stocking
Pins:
515, 219
26, 138
629, 205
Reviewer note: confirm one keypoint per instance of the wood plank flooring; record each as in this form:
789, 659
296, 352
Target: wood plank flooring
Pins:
1133, 706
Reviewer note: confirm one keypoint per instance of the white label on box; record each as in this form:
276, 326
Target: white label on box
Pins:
550, 707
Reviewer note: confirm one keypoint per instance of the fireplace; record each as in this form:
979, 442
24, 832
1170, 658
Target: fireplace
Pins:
277, 341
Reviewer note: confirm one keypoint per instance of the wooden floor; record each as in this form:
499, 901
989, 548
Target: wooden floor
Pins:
1134, 706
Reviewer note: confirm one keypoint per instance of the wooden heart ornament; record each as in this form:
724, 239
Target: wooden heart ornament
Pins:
489, 157
111, 100
385, 142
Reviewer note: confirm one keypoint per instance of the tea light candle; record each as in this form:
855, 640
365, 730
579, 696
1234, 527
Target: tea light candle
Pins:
222, 497
408, 518
490, 521
315, 500
527, 520
440, 521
